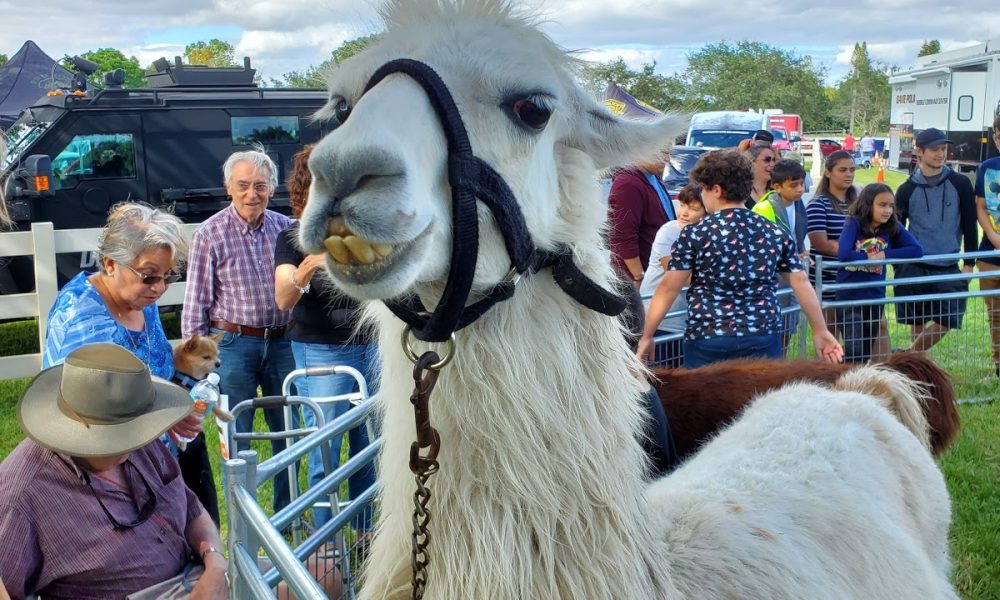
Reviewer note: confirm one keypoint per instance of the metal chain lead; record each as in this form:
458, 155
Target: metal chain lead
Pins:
425, 374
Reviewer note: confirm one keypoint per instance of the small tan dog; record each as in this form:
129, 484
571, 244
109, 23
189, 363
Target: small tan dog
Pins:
193, 361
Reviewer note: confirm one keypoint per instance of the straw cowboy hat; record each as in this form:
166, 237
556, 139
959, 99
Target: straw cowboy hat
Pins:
101, 402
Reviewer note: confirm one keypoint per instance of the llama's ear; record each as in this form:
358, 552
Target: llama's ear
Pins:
612, 141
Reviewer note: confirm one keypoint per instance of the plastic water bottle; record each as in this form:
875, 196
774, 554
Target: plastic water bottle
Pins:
205, 395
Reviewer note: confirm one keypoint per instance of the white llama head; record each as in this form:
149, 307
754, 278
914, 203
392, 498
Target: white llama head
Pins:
382, 175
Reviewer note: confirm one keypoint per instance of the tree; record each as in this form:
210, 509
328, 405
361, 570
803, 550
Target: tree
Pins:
659, 91
863, 96
3, 59
213, 53
754, 75
314, 76
929, 47
107, 60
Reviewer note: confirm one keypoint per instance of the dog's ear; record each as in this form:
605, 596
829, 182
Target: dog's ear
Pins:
218, 336
191, 344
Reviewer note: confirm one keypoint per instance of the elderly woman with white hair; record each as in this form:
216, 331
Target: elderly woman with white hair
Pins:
139, 252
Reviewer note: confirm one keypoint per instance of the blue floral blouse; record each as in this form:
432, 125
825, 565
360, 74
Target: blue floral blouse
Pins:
80, 317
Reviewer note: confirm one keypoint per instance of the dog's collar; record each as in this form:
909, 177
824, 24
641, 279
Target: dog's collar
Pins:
183, 379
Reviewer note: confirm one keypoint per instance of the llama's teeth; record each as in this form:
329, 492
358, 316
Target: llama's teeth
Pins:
337, 249
382, 250
360, 249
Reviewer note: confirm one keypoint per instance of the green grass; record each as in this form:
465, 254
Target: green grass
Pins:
893, 179
19, 337
972, 470
864, 176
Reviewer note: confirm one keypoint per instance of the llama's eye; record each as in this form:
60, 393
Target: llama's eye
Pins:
531, 112
341, 109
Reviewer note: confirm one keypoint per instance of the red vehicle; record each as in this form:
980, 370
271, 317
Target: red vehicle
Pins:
781, 142
792, 124
828, 147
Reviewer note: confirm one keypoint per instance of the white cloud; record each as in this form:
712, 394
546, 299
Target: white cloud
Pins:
292, 34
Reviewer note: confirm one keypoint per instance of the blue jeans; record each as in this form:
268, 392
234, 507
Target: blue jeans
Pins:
364, 358
698, 353
249, 362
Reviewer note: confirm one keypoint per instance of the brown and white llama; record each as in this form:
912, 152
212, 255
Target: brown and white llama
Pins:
541, 492
700, 402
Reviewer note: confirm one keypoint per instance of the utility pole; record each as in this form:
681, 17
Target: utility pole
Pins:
854, 101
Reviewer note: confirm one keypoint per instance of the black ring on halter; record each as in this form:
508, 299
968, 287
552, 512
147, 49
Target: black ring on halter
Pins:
470, 178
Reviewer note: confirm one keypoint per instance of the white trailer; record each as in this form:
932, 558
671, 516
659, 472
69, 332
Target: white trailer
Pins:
956, 91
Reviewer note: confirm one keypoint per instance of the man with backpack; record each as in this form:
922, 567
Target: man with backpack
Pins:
938, 206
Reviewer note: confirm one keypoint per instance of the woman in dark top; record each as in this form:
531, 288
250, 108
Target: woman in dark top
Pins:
638, 206
322, 332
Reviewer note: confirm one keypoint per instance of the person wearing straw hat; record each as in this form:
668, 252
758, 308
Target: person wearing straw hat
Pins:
91, 504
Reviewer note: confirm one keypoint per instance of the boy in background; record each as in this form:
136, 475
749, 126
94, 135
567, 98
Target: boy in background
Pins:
783, 205
691, 211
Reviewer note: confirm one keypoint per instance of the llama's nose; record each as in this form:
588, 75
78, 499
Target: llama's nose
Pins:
338, 173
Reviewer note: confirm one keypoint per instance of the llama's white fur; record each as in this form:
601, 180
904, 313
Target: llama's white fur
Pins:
542, 491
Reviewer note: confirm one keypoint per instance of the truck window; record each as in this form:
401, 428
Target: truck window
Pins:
94, 156
265, 130
964, 108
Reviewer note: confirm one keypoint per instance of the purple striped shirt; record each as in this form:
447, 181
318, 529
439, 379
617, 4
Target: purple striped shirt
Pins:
56, 541
230, 273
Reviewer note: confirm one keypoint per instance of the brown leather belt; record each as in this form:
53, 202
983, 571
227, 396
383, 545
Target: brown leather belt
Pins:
267, 333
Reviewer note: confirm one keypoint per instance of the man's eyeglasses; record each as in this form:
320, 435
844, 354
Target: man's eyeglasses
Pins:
142, 514
260, 188
169, 278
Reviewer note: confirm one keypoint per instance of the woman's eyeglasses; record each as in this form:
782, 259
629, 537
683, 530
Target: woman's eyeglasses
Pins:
169, 278
142, 514
768, 159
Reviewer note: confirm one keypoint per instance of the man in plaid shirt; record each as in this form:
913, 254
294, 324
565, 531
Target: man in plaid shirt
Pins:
230, 292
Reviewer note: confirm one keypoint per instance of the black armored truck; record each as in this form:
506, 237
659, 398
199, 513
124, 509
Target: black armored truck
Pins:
74, 153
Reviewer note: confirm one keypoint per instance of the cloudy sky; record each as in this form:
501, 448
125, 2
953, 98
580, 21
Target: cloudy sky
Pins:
282, 35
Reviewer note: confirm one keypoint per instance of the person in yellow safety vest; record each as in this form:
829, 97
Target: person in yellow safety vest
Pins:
783, 205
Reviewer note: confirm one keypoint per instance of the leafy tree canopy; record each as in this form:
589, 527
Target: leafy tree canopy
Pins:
754, 75
3, 59
313, 77
213, 53
863, 96
659, 91
929, 47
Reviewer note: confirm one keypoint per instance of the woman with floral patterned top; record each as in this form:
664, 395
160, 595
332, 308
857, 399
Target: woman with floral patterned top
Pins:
732, 257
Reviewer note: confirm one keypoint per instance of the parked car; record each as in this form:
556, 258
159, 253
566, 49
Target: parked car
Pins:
828, 147
864, 162
781, 142
682, 160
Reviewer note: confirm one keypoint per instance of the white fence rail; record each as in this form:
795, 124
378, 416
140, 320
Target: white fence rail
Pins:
43, 243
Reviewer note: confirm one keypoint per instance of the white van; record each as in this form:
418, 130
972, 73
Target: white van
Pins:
724, 128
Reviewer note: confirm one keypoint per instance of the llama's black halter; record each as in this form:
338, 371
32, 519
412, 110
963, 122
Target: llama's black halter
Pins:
472, 178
